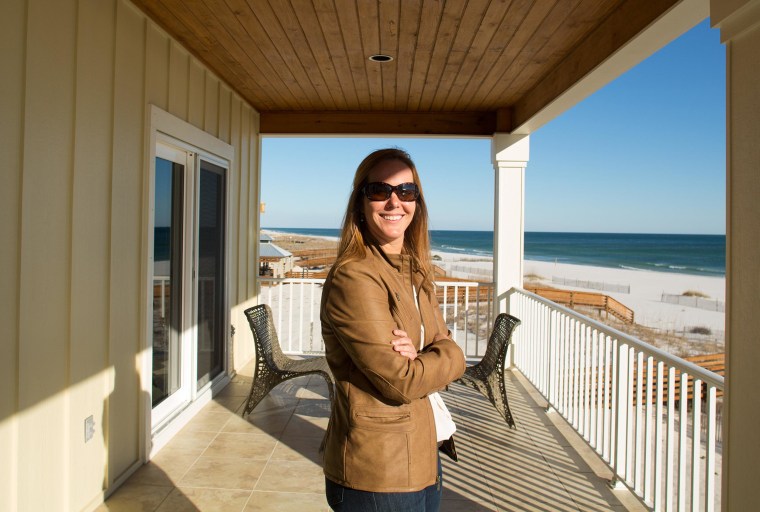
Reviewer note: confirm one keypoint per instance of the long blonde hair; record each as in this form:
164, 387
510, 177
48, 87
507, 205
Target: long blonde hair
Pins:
355, 236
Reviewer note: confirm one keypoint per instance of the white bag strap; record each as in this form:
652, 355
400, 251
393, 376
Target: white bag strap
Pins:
444, 424
422, 324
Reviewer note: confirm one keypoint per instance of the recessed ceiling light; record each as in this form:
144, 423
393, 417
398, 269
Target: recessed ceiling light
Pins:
379, 57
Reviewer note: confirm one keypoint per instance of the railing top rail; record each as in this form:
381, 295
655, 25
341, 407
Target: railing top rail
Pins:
291, 280
692, 369
449, 284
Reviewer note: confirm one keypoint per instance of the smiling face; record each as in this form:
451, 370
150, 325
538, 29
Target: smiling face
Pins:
387, 220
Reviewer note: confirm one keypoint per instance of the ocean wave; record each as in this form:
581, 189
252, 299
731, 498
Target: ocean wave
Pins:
676, 269
452, 248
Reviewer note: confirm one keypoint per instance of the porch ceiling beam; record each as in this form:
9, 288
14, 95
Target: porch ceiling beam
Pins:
386, 123
621, 27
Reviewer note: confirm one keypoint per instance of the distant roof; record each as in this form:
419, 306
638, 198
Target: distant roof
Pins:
265, 238
270, 250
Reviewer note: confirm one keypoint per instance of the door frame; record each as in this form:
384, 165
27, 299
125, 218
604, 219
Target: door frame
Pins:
170, 150
169, 129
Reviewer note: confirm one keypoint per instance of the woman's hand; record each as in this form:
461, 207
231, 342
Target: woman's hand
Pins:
404, 345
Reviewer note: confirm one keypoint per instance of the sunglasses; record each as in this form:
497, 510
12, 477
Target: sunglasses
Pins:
379, 191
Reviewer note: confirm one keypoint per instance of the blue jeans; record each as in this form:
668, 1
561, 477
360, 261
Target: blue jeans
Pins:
345, 499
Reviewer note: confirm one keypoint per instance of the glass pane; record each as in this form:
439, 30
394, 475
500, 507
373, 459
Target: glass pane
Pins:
167, 257
211, 317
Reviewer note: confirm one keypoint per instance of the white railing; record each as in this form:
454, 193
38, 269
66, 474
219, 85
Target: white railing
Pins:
467, 309
161, 282
295, 308
640, 408
614, 389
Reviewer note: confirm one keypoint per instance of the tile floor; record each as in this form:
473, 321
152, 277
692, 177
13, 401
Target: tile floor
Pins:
269, 461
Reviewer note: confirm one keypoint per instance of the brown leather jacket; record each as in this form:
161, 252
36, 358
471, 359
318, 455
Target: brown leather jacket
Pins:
381, 434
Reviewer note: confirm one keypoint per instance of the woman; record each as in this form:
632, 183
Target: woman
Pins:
387, 346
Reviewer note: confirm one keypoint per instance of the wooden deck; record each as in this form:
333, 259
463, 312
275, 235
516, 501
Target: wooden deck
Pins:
269, 461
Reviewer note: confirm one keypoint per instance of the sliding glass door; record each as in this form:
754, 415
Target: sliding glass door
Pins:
188, 274
211, 272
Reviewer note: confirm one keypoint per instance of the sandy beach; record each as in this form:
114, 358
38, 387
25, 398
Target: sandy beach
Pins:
644, 295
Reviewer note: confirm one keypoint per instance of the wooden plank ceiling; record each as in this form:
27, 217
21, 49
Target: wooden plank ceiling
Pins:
460, 67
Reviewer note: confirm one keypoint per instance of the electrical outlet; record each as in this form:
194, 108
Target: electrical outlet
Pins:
89, 428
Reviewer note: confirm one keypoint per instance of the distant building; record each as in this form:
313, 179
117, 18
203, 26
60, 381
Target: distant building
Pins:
274, 261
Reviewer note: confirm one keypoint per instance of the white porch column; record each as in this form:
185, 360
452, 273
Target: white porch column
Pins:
510, 155
739, 22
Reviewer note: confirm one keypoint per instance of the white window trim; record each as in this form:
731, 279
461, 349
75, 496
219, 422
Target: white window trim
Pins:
163, 125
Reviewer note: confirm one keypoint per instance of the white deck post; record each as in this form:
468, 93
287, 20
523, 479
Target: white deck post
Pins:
510, 155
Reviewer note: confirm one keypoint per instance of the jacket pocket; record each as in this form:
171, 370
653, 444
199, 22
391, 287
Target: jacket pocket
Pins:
383, 419
378, 461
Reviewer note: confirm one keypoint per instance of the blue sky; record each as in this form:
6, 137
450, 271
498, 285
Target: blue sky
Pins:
645, 154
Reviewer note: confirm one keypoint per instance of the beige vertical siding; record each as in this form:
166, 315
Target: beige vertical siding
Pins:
211, 115
125, 223
254, 199
79, 76
12, 35
235, 200
243, 255
196, 93
45, 272
90, 246
225, 95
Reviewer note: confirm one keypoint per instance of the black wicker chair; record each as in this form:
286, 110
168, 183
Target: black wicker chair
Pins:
272, 366
487, 376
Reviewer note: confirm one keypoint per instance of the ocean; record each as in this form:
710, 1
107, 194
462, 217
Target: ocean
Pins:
702, 255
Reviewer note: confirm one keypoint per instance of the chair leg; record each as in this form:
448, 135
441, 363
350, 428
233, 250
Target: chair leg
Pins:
495, 392
258, 392
330, 386
320, 373
498, 396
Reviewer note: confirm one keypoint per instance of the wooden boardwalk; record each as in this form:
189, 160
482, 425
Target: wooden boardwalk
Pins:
591, 299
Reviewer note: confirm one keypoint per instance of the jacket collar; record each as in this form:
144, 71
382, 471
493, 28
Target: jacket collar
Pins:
399, 262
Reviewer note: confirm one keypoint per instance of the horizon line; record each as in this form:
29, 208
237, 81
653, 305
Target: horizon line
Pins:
533, 231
